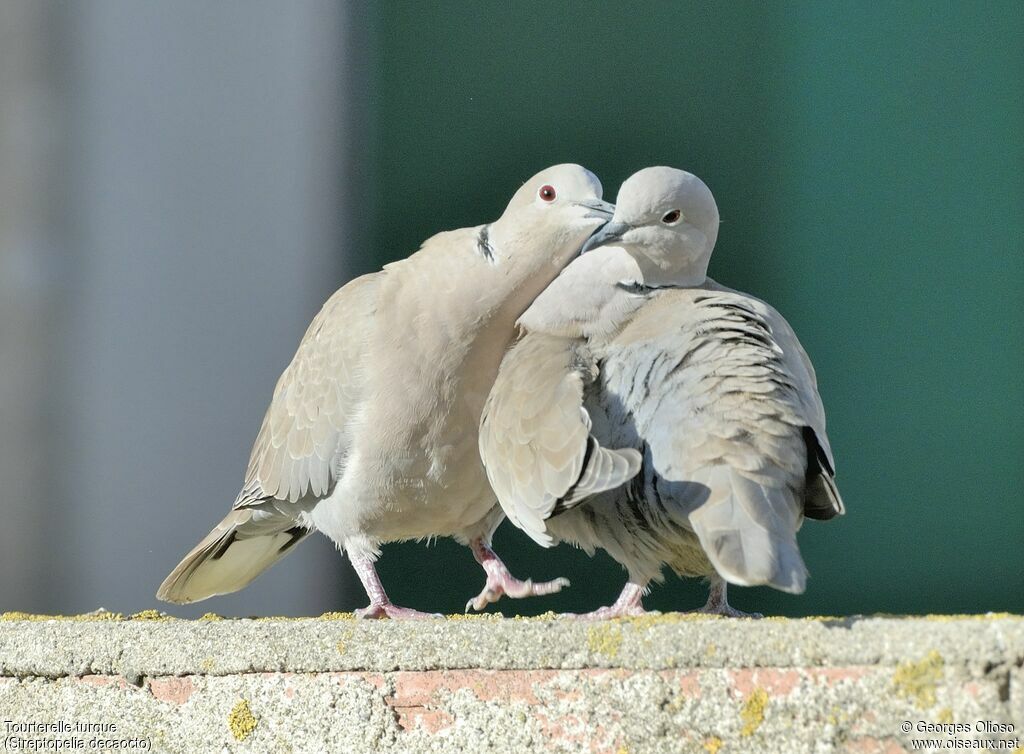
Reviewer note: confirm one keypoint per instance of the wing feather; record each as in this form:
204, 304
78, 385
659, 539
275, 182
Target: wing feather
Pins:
733, 409
303, 431
535, 437
822, 499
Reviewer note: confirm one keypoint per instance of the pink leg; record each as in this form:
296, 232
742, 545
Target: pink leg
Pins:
500, 581
380, 606
629, 604
718, 602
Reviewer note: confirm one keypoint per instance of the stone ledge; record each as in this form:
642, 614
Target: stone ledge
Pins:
664, 683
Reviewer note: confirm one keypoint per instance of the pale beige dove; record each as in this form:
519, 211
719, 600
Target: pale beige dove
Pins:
371, 436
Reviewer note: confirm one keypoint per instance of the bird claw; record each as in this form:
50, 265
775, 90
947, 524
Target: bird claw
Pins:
726, 611
506, 584
613, 611
718, 603
377, 611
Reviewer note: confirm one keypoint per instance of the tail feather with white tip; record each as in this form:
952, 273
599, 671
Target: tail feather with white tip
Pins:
247, 542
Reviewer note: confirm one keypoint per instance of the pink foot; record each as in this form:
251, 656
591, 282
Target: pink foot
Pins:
508, 585
726, 611
612, 611
380, 606
388, 610
718, 603
628, 605
502, 583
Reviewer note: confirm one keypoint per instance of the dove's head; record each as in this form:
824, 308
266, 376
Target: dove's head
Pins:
549, 219
667, 220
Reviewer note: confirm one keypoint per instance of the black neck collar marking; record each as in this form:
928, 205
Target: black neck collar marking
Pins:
483, 243
643, 288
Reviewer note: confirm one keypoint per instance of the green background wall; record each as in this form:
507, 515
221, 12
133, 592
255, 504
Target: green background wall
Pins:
868, 161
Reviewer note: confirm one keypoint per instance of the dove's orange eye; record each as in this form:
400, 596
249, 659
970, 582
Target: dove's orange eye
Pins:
672, 217
547, 193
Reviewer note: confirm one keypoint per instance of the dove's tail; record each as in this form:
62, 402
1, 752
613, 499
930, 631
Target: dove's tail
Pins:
241, 547
748, 530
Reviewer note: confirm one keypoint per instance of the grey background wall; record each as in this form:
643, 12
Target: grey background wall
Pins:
183, 185
183, 202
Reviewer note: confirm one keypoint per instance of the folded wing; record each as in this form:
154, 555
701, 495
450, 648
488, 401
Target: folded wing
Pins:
297, 457
535, 438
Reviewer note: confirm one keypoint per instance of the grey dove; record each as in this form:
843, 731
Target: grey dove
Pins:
653, 413
371, 435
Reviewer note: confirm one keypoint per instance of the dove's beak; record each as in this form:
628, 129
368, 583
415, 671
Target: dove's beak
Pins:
598, 210
608, 233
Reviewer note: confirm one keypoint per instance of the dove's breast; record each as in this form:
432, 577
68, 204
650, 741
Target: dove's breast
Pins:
413, 469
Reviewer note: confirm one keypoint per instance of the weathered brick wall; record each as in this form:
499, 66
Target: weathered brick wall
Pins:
661, 684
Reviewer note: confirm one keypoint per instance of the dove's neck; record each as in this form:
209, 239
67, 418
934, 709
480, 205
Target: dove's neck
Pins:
675, 279
687, 269
450, 317
591, 298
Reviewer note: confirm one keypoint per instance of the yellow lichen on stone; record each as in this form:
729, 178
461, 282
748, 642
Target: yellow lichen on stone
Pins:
100, 614
604, 639
475, 617
241, 720
945, 715
752, 711
151, 615
836, 716
712, 744
344, 637
917, 680
207, 665
211, 616
676, 703
338, 616
549, 615
18, 615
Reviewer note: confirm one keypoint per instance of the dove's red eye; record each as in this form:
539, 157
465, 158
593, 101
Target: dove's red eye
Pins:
547, 193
